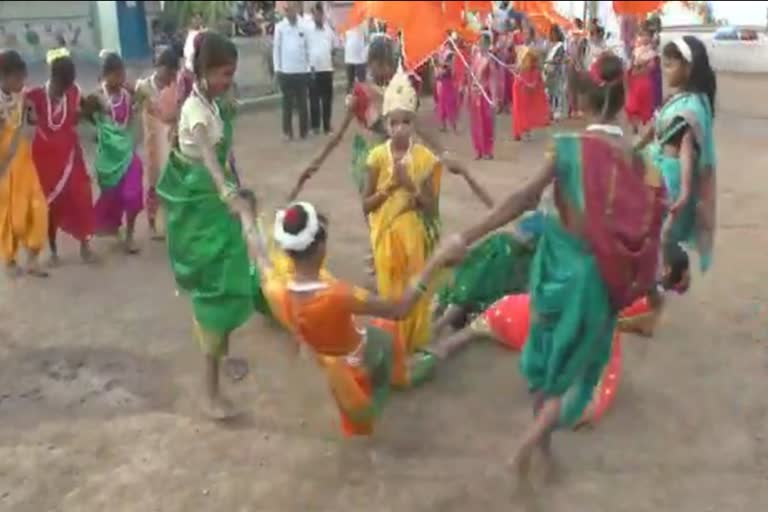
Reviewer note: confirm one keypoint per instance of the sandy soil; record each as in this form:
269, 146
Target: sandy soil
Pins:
99, 377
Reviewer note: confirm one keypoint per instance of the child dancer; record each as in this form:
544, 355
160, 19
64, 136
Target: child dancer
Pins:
58, 156
201, 199
362, 360
401, 202
118, 167
640, 93
158, 97
530, 109
445, 88
575, 291
683, 148
23, 212
480, 109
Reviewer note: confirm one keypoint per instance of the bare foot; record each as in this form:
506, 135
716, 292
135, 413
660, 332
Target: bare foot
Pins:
220, 409
438, 350
88, 256
131, 248
54, 260
13, 271
553, 473
520, 464
34, 270
236, 368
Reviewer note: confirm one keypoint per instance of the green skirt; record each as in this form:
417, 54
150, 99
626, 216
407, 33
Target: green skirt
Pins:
207, 251
572, 323
497, 267
359, 170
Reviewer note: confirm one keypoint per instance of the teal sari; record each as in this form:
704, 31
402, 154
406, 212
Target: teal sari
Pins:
207, 251
572, 320
694, 224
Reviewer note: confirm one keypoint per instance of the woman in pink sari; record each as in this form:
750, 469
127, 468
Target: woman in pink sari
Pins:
447, 98
640, 88
480, 108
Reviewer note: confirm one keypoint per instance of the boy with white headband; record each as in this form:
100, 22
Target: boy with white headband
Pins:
362, 361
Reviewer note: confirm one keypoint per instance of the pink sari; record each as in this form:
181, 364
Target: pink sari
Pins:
480, 110
446, 93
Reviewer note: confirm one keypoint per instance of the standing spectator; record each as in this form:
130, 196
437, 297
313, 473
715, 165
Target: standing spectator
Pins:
195, 27
355, 43
321, 63
291, 60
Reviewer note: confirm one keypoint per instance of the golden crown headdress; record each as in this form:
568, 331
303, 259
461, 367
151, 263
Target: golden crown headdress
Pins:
399, 94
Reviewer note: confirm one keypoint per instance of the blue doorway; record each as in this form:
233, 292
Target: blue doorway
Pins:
132, 24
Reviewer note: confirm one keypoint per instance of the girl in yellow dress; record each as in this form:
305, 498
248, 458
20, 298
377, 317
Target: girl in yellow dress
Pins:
401, 202
23, 209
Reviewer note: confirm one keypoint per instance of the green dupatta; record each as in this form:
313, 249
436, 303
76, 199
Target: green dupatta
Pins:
114, 152
694, 224
208, 254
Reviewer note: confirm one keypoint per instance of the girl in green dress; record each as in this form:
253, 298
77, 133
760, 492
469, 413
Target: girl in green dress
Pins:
597, 253
203, 203
682, 147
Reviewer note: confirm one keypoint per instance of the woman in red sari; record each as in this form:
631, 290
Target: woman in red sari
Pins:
641, 99
58, 157
530, 106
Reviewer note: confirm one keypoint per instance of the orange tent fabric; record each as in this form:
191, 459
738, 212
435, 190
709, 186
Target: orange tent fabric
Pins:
636, 8
424, 29
424, 25
542, 15
479, 7
356, 16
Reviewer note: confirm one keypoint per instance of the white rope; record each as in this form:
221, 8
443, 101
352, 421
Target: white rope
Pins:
471, 73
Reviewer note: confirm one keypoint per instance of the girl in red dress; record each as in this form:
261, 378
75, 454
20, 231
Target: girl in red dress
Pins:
640, 88
530, 106
59, 160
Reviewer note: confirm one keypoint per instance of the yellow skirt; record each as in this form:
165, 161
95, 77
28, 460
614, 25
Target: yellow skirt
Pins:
400, 255
23, 208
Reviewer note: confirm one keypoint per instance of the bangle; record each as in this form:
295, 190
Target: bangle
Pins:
228, 192
421, 287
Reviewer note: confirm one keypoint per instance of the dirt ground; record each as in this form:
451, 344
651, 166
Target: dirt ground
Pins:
99, 377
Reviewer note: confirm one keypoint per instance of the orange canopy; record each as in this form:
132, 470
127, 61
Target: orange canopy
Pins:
479, 7
637, 8
542, 15
424, 25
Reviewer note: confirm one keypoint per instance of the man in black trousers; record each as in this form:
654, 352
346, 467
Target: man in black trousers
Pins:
291, 58
320, 37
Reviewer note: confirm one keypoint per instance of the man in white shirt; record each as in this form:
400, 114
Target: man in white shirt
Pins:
320, 37
355, 58
290, 54
195, 27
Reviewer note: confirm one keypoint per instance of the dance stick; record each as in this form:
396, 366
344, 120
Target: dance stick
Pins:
471, 73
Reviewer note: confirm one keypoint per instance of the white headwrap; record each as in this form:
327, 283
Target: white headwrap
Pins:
302, 240
685, 49
399, 94
104, 53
